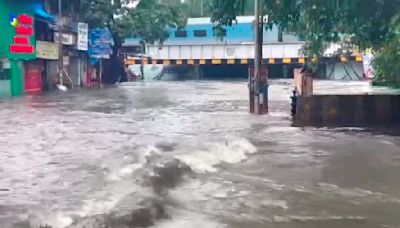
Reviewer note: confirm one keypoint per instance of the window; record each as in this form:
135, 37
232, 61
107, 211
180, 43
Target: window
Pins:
181, 33
200, 33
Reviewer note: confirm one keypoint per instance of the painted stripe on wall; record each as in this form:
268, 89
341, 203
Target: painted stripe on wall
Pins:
359, 58
130, 62
216, 61
233, 61
244, 61
287, 60
230, 61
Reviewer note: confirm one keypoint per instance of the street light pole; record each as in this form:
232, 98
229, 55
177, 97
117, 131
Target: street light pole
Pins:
60, 45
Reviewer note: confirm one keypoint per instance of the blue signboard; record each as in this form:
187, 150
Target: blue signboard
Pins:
100, 43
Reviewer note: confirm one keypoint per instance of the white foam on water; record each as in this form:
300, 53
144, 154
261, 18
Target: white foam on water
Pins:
387, 142
291, 218
58, 220
118, 185
196, 190
279, 114
358, 193
189, 220
103, 202
232, 152
148, 154
275, 203
124, 172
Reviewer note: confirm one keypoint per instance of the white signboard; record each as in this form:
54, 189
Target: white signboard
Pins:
67, 38
46, 50
83, 37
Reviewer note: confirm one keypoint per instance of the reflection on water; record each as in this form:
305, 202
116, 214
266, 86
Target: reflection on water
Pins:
187, 154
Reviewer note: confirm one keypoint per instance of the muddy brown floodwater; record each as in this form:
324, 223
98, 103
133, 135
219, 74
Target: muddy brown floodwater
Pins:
188, 154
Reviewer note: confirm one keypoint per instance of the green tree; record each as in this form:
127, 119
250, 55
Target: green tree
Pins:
147, 19
354, 23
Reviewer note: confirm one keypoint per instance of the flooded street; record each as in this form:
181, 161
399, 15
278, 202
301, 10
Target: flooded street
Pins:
188, 154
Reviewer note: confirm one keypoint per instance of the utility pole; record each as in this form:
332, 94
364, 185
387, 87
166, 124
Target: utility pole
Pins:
60, 45
260, 93
257, 58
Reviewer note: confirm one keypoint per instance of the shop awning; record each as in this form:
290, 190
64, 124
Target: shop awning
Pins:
40, 13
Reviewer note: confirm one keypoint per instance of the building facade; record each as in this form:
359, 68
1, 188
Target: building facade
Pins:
29, 50
17, 44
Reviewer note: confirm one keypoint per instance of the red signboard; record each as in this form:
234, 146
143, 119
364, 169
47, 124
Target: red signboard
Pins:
21, 40
25, 19
23, 30
21, 49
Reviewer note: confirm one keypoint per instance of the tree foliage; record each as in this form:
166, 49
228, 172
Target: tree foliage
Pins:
387, 61
353, 23
148, 19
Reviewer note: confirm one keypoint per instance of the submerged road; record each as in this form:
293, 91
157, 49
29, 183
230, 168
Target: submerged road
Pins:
188, 154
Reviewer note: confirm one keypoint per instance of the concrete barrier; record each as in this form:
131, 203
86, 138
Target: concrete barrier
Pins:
347, 110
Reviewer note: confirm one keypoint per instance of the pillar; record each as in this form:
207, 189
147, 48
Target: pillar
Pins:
17, 78
285, 71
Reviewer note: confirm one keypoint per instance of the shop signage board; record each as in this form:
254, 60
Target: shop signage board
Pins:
47, 50
66, 39
17, 37
100, 44
83, 37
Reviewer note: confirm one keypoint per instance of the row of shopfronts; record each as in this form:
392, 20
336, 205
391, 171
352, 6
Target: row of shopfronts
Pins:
29, 49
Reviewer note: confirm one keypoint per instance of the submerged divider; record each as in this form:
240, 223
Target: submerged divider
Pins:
347, 110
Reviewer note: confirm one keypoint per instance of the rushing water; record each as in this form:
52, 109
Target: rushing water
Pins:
188, 154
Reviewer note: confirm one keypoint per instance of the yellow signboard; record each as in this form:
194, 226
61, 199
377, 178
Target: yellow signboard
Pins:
46, 50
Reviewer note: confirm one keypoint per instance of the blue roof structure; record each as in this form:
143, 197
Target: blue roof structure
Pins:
39, 11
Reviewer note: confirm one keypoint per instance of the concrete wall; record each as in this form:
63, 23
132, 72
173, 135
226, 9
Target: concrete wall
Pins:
347, 110
223, 51
345, 71
151, 71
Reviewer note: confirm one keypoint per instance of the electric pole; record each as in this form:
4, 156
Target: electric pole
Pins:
260, 97
60, 45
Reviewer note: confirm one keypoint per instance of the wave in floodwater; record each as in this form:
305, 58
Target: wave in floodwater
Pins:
137, 195
188, 154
